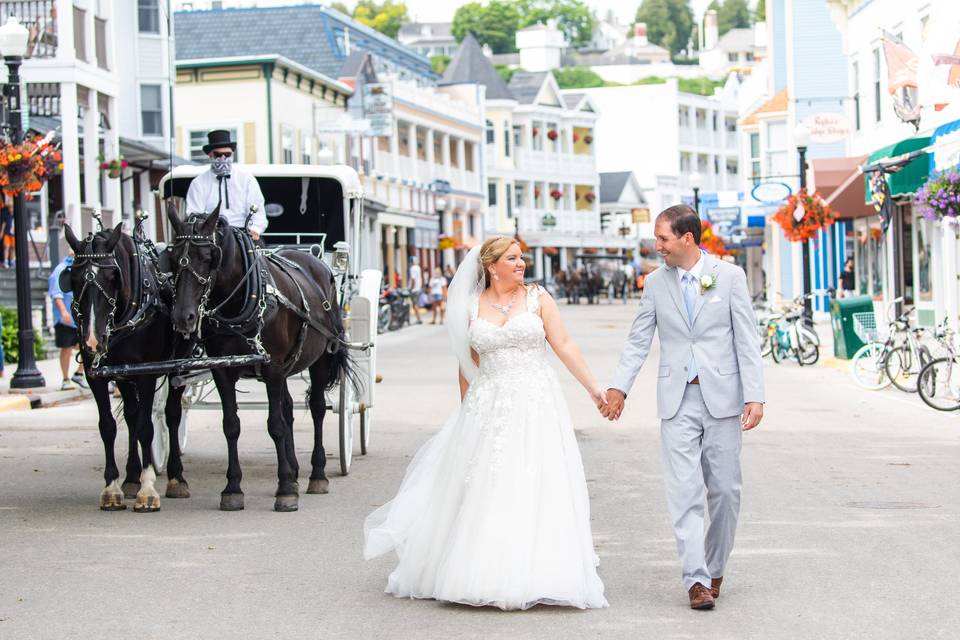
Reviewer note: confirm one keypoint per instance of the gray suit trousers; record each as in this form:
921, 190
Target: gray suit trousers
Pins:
700, 451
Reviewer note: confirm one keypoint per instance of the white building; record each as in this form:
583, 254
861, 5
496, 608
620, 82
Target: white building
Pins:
738, 50
428, 38
663, 136
71, 70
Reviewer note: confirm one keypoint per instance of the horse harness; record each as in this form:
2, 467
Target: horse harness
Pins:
146, 286
261, 298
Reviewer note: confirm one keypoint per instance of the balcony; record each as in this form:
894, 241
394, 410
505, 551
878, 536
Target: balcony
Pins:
39, 17
554, 164
567, 222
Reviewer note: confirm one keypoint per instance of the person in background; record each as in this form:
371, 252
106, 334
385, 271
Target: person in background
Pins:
448, 274
6, 236
64, 329
847, 279
438, 291
415, 283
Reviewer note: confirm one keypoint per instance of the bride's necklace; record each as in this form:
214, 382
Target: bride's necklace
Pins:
505, 308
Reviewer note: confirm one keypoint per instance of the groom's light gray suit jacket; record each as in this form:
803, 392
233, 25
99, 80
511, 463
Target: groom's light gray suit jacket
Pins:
722, 338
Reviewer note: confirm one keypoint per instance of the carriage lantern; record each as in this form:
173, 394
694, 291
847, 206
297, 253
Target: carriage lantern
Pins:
341, 257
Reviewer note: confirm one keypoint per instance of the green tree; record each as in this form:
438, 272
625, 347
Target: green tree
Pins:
439, 64
385, 17
669, 23
341, 7
731, 14
506, 72
577, 78
573, 17
494, 25
703, 86
760, 15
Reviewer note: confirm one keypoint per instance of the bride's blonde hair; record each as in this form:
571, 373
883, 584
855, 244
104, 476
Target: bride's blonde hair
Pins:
492, 250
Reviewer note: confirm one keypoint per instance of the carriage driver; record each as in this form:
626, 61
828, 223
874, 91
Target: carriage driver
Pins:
234, 190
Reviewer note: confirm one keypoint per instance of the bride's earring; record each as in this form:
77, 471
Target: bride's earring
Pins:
493, 274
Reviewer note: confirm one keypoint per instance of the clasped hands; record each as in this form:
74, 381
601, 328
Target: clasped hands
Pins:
610, 404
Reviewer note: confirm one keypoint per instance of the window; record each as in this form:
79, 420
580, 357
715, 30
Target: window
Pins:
715, 122
506, 139
716, 165
151, 110
286, 144
306, 148
876, 85
778, 155
517, 136
148, 16
733, 166
702, 162
855, 73
491, 134
684, 117
538, 134
519, 192
684, 162
755, 171
748, 56
468, 156
509, 201
732, 56
701, 119
731, 125
492, 194
198, 138
923, 243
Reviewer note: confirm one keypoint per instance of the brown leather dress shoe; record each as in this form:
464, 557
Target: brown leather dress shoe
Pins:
715, 587
700, 597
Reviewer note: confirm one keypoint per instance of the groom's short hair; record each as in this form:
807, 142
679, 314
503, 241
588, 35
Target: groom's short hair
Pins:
682, 219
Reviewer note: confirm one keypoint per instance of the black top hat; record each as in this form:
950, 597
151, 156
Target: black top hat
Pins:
219, 138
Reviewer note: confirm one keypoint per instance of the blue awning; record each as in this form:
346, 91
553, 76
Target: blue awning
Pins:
945, 141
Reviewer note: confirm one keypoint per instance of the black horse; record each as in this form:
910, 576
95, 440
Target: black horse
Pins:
284, 306
118, 309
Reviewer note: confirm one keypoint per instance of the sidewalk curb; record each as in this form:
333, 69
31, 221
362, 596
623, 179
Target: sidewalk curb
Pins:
14, 403
42, 400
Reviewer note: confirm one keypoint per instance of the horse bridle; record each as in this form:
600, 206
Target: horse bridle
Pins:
90, 264
207, 282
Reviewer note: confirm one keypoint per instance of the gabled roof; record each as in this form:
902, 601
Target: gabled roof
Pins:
470, 65
776, 104
736, 40
311, 35
572, 100
526, 85
612, 185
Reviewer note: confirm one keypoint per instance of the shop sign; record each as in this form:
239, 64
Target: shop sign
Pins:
378, 108
723, 219
827, 127
640, 215
771, 192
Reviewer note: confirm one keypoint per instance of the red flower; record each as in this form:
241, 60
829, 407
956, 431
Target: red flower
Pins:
590, 196
536, 132
556, 194
576, 137
536, 192
552, 134
817, 215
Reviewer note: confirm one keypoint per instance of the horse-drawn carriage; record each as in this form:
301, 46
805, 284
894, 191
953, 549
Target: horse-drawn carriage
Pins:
214, 305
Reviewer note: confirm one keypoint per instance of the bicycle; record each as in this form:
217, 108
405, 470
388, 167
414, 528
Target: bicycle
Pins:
939, 380
791, 335
869, 364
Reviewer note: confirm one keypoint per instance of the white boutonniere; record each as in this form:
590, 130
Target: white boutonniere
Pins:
707, 282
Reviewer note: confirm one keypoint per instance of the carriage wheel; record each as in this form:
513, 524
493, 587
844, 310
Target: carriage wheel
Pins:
346, 420
366, 423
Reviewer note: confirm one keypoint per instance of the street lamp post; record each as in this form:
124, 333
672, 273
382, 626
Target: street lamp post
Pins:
801, 137
696, 180
13, 46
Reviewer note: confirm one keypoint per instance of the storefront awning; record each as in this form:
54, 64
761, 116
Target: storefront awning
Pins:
908, 179
945, 143
842, 186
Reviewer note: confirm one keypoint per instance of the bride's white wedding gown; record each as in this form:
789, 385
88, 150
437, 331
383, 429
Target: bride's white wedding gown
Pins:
494, 508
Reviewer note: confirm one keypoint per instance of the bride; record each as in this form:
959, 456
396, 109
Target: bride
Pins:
494, 509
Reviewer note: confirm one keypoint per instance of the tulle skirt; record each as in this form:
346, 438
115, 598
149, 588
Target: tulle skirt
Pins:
493, 509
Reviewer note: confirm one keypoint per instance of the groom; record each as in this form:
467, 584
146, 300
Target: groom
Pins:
709, 388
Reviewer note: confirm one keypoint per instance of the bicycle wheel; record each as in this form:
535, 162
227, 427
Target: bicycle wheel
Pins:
939, 384
902, 368
867, 366
775, 348
808, 350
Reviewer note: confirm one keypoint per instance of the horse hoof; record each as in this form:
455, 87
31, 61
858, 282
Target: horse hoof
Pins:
286, 503
177, 489
112, 503
318, 485
130, 489
231, 502
146, 504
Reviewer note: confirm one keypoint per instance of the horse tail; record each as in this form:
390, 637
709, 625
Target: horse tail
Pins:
341, 364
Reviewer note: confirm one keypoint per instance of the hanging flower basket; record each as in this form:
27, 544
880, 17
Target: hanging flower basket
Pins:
590, 250
589, 196
803, 216
939, 198
551, 251
552, 134
536, 192
536, 131
115, 167
588, 139
711, 242
576, 137
556, 194
26, 167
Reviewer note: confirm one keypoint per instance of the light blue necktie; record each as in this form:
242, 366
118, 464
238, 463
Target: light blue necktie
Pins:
690, 298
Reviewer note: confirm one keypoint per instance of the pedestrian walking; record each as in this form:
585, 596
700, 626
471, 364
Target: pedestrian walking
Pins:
7, 238
438, 291
415, 281
64, 329
448, 274
847, 279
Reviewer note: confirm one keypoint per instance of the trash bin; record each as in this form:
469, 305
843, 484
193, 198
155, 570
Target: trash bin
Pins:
846, 342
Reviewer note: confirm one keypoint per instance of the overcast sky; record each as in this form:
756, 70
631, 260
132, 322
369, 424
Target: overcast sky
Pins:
439, 11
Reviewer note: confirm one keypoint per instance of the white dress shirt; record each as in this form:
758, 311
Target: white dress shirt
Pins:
696, 271
240, 189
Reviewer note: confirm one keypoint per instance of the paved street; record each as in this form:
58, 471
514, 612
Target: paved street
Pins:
848, 530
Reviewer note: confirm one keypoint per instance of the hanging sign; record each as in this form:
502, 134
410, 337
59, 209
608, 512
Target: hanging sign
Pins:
827, 127
771, 192
378, 108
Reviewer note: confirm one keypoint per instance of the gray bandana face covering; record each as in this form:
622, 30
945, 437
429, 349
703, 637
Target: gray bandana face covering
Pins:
221, 166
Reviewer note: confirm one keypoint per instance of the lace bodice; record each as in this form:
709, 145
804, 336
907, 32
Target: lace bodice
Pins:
516, 344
